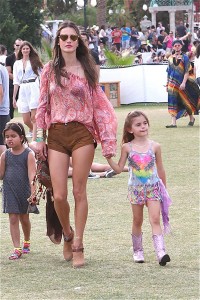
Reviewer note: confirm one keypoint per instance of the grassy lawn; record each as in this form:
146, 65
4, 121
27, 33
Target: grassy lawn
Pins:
110, 272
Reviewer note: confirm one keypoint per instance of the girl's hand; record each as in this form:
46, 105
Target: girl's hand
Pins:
108, 156
41, 151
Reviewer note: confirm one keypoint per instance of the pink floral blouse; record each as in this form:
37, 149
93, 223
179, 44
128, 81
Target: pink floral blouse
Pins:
76, 102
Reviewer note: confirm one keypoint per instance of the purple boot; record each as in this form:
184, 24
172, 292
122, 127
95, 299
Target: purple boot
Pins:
138, 254
159, 247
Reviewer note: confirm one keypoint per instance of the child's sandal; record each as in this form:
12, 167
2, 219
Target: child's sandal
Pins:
16, 254
26, 247
78, 257
67, 246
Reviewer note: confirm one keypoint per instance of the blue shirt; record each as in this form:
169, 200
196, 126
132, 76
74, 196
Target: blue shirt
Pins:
126, 35
4, 82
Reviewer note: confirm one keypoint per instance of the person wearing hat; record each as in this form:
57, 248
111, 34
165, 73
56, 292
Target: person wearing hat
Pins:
138, 58
144, 47
183, 92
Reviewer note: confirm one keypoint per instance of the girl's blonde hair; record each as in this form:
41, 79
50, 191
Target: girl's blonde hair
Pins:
127, 136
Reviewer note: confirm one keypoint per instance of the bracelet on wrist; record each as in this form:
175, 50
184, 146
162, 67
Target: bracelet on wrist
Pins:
40, 135
39, 139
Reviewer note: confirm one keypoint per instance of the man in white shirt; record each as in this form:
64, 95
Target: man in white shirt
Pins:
109, 36
159, 28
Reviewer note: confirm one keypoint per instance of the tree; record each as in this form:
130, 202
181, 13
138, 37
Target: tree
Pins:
8, 26
136, 11
60, 7
101, 12
28, 16
118, 13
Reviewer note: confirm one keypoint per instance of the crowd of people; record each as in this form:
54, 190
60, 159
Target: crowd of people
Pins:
155, 40
67, 114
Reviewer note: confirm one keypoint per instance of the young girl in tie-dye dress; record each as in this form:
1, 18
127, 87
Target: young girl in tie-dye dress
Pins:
146, 184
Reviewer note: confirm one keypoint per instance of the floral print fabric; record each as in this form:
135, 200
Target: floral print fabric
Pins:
75, 101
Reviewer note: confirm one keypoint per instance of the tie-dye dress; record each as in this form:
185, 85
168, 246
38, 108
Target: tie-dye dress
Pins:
145, 185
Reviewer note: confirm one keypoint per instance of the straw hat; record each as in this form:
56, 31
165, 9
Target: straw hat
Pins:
95, 27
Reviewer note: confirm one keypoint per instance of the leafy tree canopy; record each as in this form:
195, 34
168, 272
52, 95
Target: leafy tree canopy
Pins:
28, 16
8, 26
60, 7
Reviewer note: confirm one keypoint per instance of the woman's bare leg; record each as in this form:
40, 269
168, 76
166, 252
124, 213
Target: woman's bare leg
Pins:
81, 168
59, 164
27, 120
33, 113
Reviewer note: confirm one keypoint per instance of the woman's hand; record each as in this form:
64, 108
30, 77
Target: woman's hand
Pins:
182, 86
41, 151
108, 156
14, 102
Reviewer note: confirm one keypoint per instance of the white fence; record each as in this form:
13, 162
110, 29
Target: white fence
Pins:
139, 83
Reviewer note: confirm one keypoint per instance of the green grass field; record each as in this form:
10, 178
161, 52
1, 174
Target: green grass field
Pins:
110, 272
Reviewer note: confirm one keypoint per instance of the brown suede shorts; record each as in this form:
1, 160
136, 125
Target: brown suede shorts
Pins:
68, 137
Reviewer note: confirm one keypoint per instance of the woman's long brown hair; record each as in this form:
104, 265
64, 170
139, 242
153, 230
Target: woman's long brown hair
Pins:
82, 54
33, 56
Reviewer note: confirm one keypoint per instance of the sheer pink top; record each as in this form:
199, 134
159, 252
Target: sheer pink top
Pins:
75, 101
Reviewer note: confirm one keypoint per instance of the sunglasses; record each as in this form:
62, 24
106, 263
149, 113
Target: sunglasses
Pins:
64, 37
17, 45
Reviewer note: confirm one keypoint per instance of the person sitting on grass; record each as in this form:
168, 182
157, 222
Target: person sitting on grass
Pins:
97, 171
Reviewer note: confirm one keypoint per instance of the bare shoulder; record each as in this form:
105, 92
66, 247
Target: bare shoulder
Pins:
31, 154
2, 156
156, 146
126, 148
